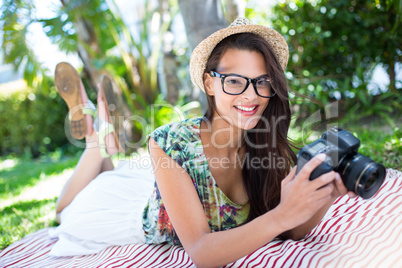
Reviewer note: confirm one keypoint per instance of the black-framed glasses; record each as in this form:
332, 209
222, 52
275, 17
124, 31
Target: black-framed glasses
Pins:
235, 84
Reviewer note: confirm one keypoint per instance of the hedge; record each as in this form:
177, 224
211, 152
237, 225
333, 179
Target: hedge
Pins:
31, 122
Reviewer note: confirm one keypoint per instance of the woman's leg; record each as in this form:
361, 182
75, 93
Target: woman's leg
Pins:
88, 167
91, 163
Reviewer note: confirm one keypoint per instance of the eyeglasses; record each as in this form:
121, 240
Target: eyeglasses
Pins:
235, 84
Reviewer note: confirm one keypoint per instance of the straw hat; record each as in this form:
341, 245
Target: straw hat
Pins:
201, 53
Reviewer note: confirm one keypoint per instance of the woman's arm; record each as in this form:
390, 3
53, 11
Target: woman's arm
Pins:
339, 189
302, 230
208, 249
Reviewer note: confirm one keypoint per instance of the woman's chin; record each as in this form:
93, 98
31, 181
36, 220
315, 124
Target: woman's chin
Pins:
247, 125
251, 122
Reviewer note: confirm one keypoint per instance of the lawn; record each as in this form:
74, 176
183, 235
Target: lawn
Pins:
28, 192
29, 188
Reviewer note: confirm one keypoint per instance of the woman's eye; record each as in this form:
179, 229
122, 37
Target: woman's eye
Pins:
233, 81
263, 82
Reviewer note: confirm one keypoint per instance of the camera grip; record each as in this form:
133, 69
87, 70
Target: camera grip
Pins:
318, 171
321, 169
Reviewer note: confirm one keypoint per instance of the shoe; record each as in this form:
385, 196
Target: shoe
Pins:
68, 84
112, 121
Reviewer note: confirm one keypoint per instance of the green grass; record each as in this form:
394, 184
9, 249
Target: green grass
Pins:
21, 218
380, 139
25, 217
25, 174
381, 146
381, 142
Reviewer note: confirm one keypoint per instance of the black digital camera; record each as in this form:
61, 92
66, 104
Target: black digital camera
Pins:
359, 173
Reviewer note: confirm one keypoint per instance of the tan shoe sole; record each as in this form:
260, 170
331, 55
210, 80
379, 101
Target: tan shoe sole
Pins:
67, 82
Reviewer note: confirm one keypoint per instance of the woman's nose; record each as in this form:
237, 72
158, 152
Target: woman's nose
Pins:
250, 93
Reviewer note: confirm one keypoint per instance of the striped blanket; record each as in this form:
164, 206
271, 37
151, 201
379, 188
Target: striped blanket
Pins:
354, 233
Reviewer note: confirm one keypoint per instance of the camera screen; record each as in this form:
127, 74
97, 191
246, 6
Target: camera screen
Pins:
317, 147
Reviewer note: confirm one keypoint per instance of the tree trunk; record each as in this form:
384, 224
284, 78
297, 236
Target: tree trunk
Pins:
201, 18
169, 81
392, 77
86, 35
234, 9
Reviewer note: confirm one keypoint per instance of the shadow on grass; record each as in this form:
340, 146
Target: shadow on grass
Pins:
25, 217
26, 173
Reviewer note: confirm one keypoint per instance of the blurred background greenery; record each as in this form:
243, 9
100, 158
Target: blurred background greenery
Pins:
336, 47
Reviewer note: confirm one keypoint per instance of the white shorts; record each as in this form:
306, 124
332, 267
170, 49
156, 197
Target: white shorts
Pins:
107, 212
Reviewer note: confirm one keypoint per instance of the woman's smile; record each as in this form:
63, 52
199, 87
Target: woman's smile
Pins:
246, 109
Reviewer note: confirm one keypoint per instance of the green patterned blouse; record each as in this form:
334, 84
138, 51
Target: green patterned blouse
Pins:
181, 141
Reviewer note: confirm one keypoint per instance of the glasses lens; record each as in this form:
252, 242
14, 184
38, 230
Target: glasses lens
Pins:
264, 87
234, 84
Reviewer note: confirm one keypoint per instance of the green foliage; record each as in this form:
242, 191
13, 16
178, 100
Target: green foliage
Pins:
95, 13
334, 47
60, 30
134, 66
140, 55
15, 18
383, 106
163, 112
330, 38
32, 122
130, 59
160, 113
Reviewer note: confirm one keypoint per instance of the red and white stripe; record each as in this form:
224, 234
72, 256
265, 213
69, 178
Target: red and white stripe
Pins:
354, 233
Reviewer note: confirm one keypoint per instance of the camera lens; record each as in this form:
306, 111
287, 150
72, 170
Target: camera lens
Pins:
371, 180
361, 175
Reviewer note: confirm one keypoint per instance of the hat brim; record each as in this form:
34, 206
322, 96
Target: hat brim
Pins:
201, 53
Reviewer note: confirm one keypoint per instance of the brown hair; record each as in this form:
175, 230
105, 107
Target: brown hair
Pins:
263, 185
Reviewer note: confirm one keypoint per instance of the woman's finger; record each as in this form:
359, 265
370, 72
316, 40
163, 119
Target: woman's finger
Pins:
341, 188
309, 167
324, 192
352, 194
290, 176
323, 180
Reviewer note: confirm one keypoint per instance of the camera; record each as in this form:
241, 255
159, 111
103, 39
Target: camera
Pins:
359, 173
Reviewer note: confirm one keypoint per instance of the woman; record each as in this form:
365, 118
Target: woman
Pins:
215, 192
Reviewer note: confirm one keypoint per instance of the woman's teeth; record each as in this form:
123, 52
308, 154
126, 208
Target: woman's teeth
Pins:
248, 109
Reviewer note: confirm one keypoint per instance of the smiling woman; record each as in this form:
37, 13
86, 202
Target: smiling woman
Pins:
238, 124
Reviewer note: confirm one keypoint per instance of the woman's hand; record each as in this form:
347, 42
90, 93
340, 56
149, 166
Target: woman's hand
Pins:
302, 198
340, 188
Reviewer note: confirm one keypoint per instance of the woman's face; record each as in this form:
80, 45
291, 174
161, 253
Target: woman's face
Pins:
231, 108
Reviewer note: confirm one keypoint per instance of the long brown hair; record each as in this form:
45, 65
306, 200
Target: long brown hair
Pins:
263, 184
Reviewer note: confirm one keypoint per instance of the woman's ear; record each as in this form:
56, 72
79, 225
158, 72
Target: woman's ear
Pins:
208, 85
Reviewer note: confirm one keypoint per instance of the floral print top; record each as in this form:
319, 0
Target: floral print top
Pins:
181, 141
